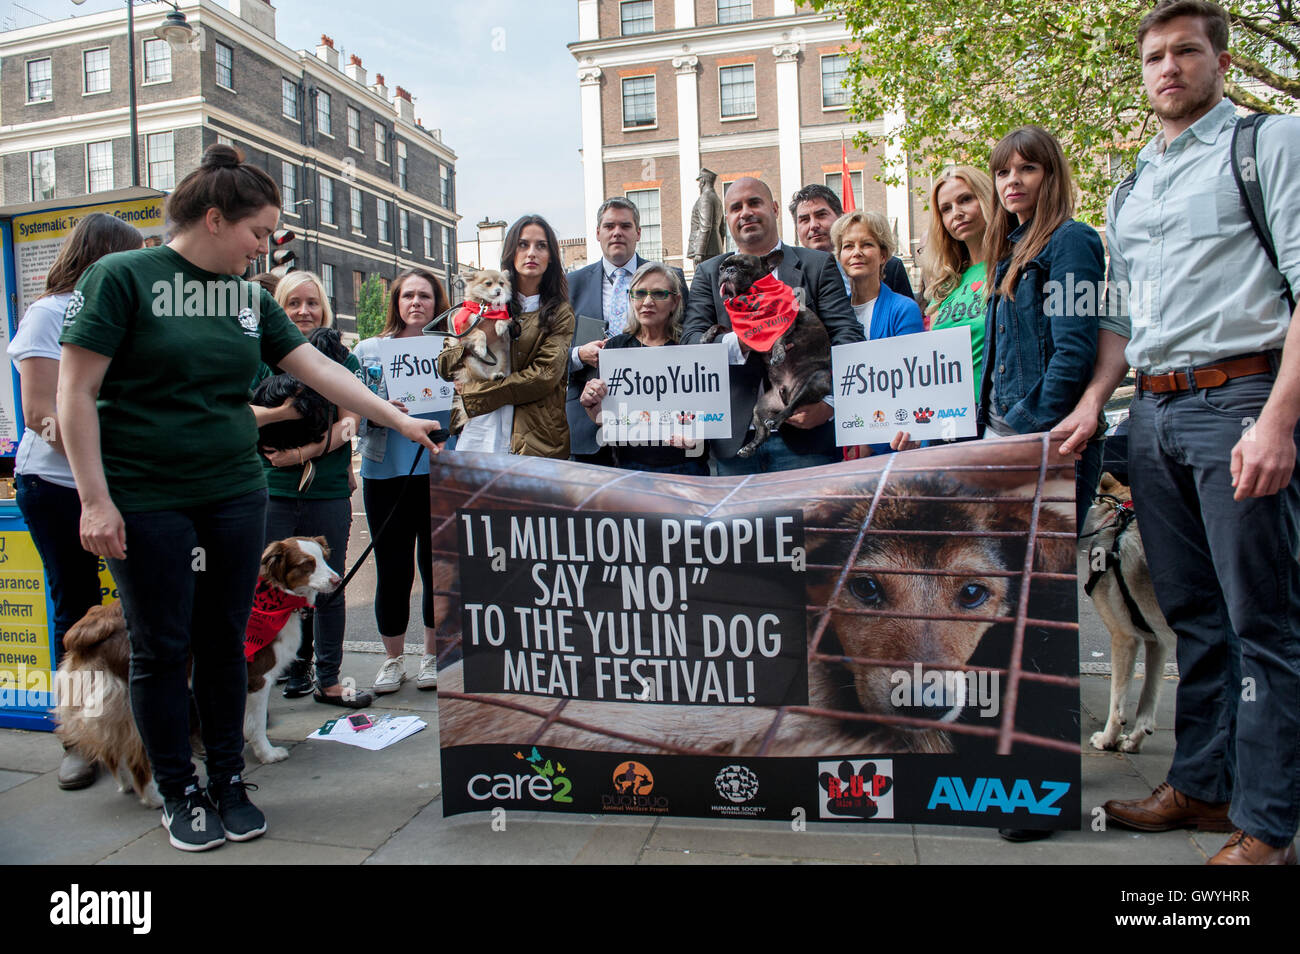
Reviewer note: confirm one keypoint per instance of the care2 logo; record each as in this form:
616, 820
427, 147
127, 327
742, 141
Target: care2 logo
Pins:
548, 782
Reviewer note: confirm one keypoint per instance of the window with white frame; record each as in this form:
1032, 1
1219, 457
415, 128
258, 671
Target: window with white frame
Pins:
735, 11
326, 198
834, 69
157, 61
354, 127
99, 166
401, 164
835, 184
327, 279
404, 228
40, 81
323, 120
354, 200
288, 98
41, 168
638, 102
289, 187
448, 246
444, 187
428, 239
736, 85
96, 71
225, 65
161, 160
647, 206
381, 208
637, 16
381, 142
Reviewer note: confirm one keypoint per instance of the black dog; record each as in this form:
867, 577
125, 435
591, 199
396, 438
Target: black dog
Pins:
317, 412
799, 362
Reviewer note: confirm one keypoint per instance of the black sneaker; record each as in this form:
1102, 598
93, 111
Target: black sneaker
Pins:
301, 680
242, 819
192, 821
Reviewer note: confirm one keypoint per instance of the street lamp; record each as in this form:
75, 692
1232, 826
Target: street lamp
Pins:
176, 30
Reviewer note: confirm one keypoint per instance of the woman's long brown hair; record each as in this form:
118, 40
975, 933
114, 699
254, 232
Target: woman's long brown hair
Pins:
95, 236
1055, 203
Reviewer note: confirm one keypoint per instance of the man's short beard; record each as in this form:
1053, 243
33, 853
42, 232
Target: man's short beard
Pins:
1203, 105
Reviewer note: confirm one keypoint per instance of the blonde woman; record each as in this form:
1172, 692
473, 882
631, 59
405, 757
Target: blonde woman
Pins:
323, 507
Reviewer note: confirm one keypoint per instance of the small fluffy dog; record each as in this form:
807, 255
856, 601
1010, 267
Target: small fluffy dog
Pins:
316, 411
99, 723
487, 344
1117, 565
799, 360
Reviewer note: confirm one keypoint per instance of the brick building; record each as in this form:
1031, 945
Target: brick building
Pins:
741, 87
366, 187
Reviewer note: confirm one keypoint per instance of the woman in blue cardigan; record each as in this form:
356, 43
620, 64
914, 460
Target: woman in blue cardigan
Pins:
864, 243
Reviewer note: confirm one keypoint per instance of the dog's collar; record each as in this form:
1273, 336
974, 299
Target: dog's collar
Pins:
763, 314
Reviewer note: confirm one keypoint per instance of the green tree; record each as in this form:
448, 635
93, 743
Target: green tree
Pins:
372, 308
962, 73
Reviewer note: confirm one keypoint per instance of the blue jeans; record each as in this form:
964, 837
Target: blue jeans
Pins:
772, 455
53, 515
187, 588
1226, 577
322, 628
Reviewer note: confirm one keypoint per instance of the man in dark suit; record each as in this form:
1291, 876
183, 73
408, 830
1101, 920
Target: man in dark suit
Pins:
808, 437
599, 291
814, 209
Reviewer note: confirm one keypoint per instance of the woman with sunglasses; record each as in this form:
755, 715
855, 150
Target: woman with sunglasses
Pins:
655, 320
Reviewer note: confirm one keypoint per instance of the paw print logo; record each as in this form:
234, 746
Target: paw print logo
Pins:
857, 790
923, 415
685, 417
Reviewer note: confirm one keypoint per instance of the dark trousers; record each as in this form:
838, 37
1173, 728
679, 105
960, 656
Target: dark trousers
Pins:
773, 455
407, 498
322, 628
187, 588
53, 515
1226, 577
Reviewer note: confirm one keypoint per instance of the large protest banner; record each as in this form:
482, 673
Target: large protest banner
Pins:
892, 639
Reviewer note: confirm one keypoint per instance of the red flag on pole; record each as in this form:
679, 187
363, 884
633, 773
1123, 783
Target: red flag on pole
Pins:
846, 181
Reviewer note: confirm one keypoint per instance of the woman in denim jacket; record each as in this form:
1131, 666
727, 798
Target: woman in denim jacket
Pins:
1045, 297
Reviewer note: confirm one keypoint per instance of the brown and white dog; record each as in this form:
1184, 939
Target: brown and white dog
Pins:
1117, 565
99, 722
487, 345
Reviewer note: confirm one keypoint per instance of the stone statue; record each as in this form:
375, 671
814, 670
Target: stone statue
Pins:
706, 221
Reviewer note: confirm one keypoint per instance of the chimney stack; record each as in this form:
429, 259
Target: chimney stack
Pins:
327, 52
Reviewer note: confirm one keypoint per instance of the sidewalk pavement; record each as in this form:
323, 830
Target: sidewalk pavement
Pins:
337, 804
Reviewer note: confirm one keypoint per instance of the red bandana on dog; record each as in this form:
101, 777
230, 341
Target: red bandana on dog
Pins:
271, 609
470, 310
761, 316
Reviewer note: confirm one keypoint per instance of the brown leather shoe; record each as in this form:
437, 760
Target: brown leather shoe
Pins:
1242, 849
75, 771
1166, 809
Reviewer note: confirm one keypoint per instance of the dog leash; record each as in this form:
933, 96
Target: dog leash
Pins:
1124, 516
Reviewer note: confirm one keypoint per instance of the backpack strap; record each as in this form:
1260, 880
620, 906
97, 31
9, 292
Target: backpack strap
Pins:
1245, 172
1122, 190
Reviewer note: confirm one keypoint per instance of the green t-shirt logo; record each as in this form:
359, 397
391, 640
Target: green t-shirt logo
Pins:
248, 321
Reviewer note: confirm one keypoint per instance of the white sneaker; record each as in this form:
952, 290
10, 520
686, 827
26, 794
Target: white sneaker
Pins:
428, 677
391, 676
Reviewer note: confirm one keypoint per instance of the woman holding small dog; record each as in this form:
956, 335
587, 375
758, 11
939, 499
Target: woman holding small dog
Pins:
524, 412
46, 491
864, 244
153, 408
1048, 280
310, 491
398, 496
654, 320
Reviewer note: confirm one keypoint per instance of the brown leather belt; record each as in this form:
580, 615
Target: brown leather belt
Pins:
1210, 376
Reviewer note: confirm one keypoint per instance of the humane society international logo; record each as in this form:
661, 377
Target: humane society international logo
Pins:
75, 304
249, 321
738, 784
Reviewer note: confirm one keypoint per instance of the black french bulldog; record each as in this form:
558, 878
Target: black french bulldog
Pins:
799, 363
317, 412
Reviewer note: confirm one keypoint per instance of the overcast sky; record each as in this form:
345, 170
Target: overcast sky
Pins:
494, 75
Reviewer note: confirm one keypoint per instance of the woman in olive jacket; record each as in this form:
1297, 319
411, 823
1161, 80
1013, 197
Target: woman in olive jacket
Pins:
524, 412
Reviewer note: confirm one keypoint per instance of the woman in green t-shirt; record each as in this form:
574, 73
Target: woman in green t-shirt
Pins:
322, 507
159, 346
961, 204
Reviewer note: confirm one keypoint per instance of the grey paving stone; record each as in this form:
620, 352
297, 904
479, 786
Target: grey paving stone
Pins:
43, 825
884, 843
528, 838
1075, 847
153, 848
22, 751
9, 779
666, 856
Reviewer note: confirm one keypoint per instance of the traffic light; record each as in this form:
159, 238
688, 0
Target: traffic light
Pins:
283, 258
